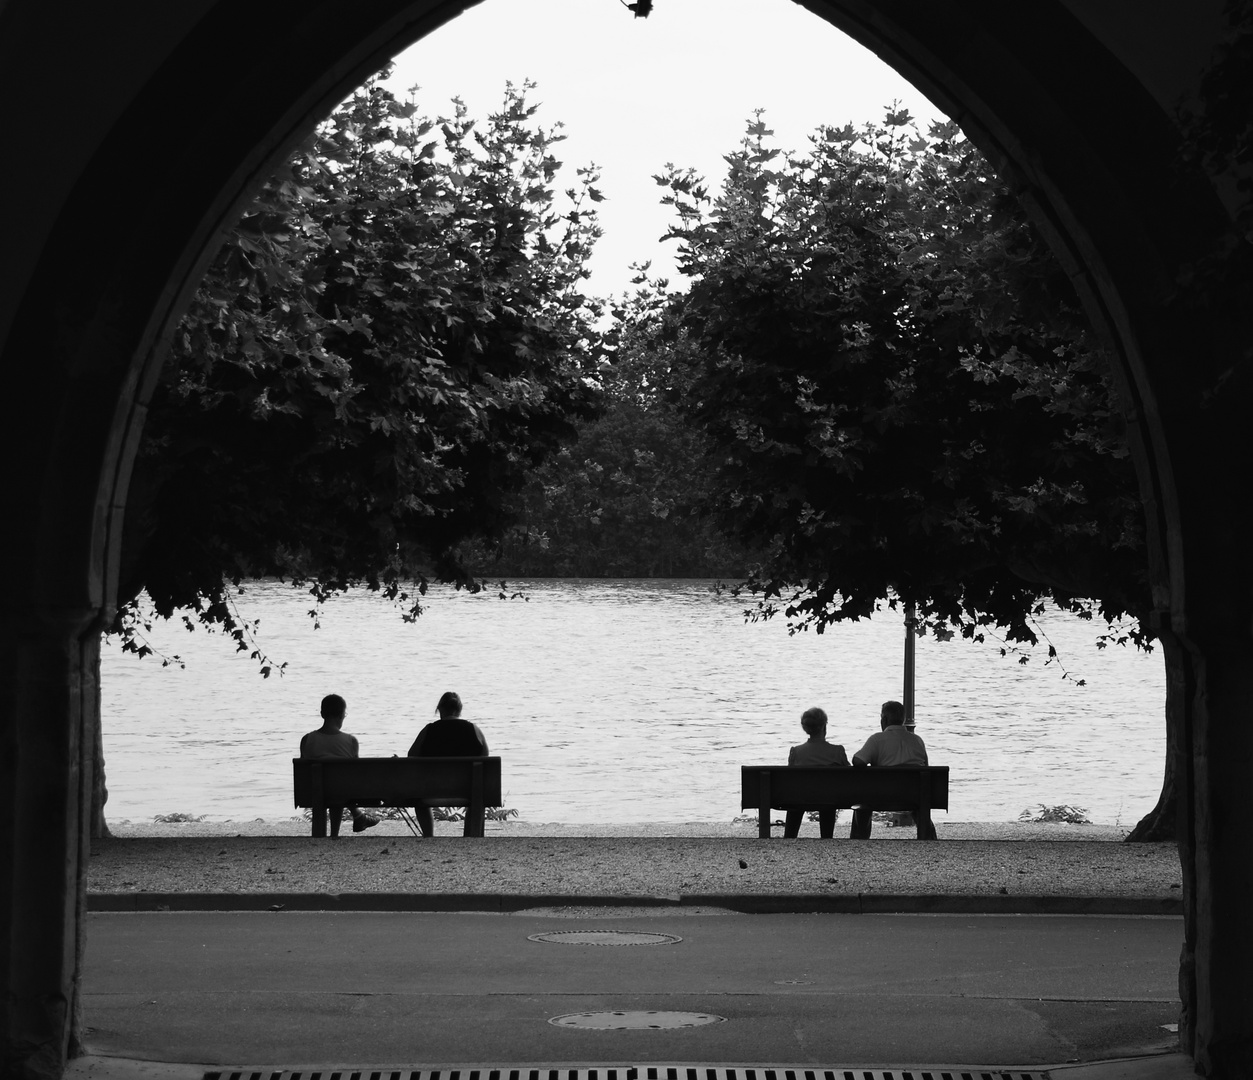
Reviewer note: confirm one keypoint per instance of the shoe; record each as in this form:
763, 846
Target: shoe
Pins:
364, 821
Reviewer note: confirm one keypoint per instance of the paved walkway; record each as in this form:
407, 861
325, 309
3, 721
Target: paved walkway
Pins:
424, 989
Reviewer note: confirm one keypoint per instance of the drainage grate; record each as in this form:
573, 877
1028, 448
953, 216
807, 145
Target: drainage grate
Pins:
637, 1020
633, 1072
604, 937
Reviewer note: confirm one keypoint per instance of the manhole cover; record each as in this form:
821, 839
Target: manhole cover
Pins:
604, 937
642, 1020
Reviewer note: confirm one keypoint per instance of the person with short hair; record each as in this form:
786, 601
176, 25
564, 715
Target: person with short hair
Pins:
329, 741
449, 736
814, 751
893, 744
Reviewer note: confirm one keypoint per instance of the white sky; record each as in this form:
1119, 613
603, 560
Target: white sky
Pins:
635, 94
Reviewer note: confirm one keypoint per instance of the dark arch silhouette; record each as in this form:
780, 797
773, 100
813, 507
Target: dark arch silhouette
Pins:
185, 107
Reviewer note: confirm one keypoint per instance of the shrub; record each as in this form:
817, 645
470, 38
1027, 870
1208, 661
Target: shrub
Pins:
1053, 815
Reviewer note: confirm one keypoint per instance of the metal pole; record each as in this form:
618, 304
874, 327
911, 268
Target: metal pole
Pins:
907, 698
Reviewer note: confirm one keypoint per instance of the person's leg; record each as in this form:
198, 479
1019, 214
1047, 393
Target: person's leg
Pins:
862, 821
361, 820
426, 822
792, 823
826, 822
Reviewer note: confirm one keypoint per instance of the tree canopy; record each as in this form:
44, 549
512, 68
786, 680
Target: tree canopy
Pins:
390, 339
900, 391
628, 498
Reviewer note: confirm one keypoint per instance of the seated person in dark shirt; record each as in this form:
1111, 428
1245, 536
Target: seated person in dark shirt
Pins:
449, 736
814, 751
331, 741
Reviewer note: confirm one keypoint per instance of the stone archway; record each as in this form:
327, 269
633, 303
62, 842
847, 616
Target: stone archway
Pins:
191, 103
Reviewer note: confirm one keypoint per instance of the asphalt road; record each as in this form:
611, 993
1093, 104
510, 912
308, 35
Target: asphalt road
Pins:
305, 989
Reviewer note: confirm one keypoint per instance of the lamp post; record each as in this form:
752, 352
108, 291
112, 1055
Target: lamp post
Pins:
907, 696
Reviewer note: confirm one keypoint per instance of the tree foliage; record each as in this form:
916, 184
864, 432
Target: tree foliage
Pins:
902, 394
629, 497
391, 338
1217, 126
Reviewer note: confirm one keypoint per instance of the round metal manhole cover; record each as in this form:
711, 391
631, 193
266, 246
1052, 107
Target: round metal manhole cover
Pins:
640, 1020
604, 937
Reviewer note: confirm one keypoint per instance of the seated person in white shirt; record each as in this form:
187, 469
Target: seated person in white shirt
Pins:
895, 744
814, 751
330, 741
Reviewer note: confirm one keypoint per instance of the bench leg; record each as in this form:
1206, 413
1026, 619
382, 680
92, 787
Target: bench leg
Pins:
926, 827
319, 802
763, 806
922, 817
476, 811
863, 822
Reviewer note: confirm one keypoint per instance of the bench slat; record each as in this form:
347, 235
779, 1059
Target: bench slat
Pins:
397, 781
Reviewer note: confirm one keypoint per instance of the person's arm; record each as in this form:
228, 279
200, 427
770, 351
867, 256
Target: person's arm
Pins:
865, 756
791, 756
355, 748
304, 747
482, 739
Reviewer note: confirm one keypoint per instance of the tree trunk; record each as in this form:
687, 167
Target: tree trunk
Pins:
1161, 824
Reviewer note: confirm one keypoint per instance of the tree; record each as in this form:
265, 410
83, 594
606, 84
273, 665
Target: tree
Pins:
627, 499
904, 398
389, 340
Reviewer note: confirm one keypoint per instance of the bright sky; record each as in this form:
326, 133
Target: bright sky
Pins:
635, 94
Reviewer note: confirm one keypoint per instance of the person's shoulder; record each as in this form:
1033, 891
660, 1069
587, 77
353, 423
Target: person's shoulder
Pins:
837, 754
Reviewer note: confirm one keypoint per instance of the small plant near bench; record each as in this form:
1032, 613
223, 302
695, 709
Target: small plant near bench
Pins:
177, 819
1056, 815
451, 813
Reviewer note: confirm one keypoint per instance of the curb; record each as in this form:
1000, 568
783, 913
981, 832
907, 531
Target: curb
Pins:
745, 903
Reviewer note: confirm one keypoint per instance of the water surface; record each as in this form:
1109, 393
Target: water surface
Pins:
622, 701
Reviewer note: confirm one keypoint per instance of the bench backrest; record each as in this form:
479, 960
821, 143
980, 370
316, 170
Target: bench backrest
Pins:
803, 787
394, 781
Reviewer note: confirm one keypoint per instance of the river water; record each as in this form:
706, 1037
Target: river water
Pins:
622, 701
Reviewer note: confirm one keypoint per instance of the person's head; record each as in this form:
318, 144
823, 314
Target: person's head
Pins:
333, 709
449, 705
893, 712
814, 721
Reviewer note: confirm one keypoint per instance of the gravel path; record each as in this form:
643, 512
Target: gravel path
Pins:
654, 860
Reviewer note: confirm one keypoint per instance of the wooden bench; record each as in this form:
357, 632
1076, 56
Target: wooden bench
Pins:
472, 782
803, 787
